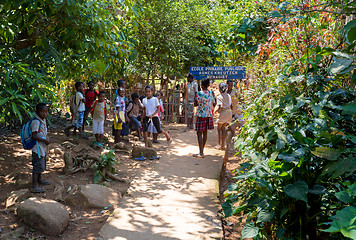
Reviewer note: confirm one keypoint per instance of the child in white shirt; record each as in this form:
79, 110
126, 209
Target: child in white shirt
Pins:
150, 114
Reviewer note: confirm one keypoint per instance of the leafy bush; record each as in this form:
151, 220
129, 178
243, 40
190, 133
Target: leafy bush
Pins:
104, 165
21, 89
300, 146
300, 132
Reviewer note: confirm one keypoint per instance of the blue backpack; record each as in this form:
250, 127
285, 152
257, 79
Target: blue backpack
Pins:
26, 136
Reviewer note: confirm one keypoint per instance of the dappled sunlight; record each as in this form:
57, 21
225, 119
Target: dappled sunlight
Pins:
177, 199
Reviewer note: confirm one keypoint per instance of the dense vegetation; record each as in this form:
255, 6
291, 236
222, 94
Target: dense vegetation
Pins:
299, 137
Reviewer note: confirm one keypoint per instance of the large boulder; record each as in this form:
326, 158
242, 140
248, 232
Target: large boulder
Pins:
17, 197
92, 196
46, 215
147, 152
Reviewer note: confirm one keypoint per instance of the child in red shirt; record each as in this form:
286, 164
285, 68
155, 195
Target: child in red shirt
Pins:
90, 95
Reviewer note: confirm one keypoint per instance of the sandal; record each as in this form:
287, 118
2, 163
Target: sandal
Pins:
198, 155
154, 157
142, 158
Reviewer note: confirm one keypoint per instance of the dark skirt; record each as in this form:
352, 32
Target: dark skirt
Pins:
204, 124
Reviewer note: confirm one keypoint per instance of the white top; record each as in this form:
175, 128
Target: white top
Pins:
192, 90
78, 101
42, 133
150, 105
224, 100
120, 103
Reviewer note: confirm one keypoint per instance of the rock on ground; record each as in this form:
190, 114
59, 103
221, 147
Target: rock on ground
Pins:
17, 196
122, 146
147, 152
46, 215
58, 191
93, 196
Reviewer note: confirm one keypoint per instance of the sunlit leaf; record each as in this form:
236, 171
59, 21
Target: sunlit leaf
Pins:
326, 153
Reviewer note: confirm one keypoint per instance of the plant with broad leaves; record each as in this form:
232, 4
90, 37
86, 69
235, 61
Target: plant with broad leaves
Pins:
106, 164
299, 139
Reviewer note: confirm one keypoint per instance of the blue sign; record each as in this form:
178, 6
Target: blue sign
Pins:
234, 72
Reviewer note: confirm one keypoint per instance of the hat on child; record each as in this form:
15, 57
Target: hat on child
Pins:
223, 87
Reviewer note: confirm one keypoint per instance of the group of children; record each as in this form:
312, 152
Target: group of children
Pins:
126, 113
141, 114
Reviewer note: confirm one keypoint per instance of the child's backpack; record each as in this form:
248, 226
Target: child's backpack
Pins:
73, 107
127, 105
26, 136
92, 110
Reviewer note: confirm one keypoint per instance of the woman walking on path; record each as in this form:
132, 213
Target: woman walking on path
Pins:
204, 122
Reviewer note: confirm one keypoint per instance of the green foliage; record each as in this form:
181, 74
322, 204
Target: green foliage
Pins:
20, 89
344, 220
105, 164
177, 35
299, 135
44, 44
298, 145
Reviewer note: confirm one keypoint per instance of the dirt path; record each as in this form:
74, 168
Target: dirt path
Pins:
176, 199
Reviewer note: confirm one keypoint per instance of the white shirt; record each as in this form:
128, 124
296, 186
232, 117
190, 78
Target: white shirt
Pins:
150, 106
120, 103
78, 101
192, 90
42, 133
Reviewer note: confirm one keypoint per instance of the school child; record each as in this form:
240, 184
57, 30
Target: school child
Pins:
80, 102
90, 96
125, 125
192, 90
204, 121
99, 113
225, 115
133, 113
40, 152
150, 114
152, 129
119, 114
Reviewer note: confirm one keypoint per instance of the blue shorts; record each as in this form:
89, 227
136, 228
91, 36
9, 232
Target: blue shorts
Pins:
38, 164
134, 123
78, 123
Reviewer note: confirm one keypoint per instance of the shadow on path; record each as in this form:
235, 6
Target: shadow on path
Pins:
177, 199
